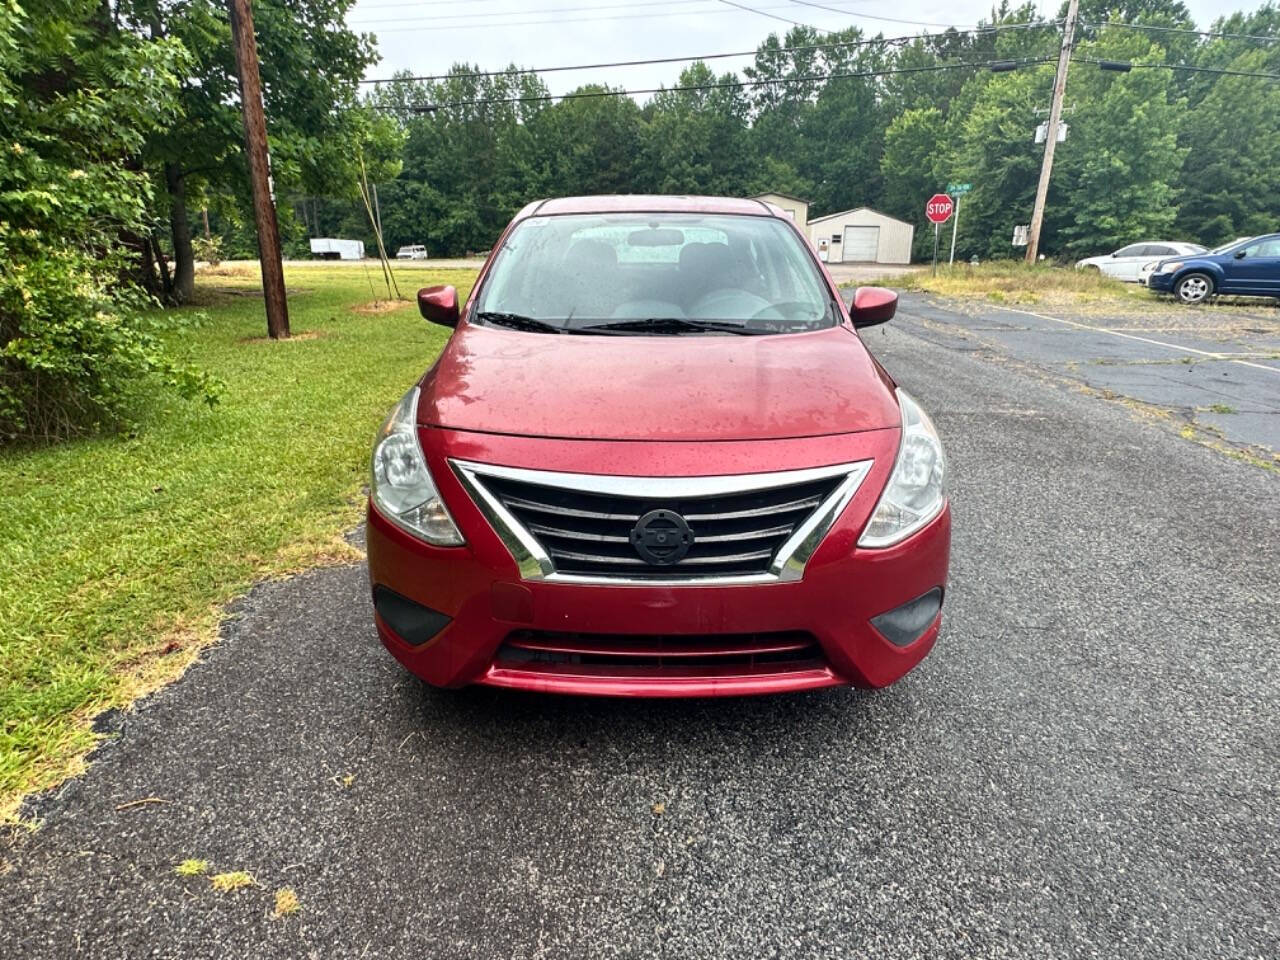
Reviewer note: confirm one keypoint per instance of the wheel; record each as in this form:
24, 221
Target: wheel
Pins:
1194, 288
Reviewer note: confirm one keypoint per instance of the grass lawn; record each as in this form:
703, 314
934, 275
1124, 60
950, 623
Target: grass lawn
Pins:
117, 554
1011, 281
1086, 291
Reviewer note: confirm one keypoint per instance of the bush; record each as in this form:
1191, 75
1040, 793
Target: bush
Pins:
208, 249
77, 338
76, 346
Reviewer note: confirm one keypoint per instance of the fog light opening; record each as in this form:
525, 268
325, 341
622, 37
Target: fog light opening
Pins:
411, 622
904, 625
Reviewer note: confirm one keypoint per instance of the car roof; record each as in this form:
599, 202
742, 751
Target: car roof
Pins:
641, 203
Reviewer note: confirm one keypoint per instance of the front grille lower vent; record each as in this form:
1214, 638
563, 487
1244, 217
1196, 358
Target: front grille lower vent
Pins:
657, 653
586, 527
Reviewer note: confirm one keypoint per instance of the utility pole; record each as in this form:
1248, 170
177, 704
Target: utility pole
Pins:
255, 143
955, 226
1051, 141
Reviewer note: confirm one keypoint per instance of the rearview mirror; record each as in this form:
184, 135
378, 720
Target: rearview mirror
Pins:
655, 237
872, 305
439, 305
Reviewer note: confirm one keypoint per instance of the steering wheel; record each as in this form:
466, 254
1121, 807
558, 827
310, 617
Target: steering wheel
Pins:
783, 307
729, 304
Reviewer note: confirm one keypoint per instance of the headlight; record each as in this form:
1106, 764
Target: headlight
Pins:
917, 489
402, 487
1172, 266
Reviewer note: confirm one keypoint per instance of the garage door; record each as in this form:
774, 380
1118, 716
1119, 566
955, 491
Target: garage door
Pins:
860, 244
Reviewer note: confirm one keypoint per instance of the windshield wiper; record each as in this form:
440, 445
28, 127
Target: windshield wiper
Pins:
518, 321
676, 325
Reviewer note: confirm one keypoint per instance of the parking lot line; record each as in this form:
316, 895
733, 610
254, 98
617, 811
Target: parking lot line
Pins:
1229, 358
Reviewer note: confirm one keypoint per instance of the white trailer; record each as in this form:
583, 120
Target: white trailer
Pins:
329, 248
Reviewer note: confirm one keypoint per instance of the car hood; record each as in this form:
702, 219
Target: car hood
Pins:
656, 387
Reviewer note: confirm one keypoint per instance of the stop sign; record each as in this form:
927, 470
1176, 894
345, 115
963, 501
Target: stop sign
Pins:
939, 208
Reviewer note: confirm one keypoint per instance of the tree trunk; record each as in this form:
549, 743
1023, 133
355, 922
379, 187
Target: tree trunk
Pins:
184, 262
166, 283
147, 267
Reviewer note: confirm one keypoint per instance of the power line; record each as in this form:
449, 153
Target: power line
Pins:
1030, 25
457, 3
1183, 30
435, 18
739, 84
870, 16
771, 16
447, 27
1125, 66
834, 45
430, 3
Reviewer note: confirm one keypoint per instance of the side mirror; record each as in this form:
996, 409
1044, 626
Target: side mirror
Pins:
872, 305
1240, 254
439, 305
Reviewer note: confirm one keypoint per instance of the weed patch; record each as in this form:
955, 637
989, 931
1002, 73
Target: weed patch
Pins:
287, 903
231, 882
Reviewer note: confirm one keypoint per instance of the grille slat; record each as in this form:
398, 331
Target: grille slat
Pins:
807, 504
782, 531
546, 531
655, 655
588, 533
516, 503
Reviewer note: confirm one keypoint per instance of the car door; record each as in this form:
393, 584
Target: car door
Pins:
1150, 253
1125, 262
1254, 268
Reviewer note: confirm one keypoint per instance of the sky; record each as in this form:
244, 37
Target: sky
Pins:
428, 36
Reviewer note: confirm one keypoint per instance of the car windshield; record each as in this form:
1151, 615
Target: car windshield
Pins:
1228, 246
655, 274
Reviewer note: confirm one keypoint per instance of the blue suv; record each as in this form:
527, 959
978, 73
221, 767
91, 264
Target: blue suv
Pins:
1249, 268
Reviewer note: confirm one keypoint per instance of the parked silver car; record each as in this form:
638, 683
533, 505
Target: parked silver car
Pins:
1127, 262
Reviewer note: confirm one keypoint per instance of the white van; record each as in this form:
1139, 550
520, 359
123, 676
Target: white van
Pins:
414, 252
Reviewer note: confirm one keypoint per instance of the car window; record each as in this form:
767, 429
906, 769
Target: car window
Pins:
579, 271
1132, 250
1263, 248
1227, 247
1158, 250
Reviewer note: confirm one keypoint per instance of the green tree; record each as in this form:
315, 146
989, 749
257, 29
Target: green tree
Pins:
913, 153
588, 144
310, 64
78, 96
697, 140
1227, 185
469, 161
991, 146
1115, 176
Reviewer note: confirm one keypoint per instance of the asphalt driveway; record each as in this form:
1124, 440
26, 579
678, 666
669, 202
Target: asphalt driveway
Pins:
1084, 767
1215, 368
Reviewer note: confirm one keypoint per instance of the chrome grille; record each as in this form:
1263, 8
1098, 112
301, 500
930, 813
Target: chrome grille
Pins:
581, 526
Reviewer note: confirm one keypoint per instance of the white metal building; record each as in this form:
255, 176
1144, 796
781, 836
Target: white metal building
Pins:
793, 207
862, 236
332, 248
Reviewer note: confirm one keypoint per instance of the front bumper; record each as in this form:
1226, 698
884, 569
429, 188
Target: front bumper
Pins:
1160, 282
492, 611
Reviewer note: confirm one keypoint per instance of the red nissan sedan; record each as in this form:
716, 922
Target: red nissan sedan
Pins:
655, 459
